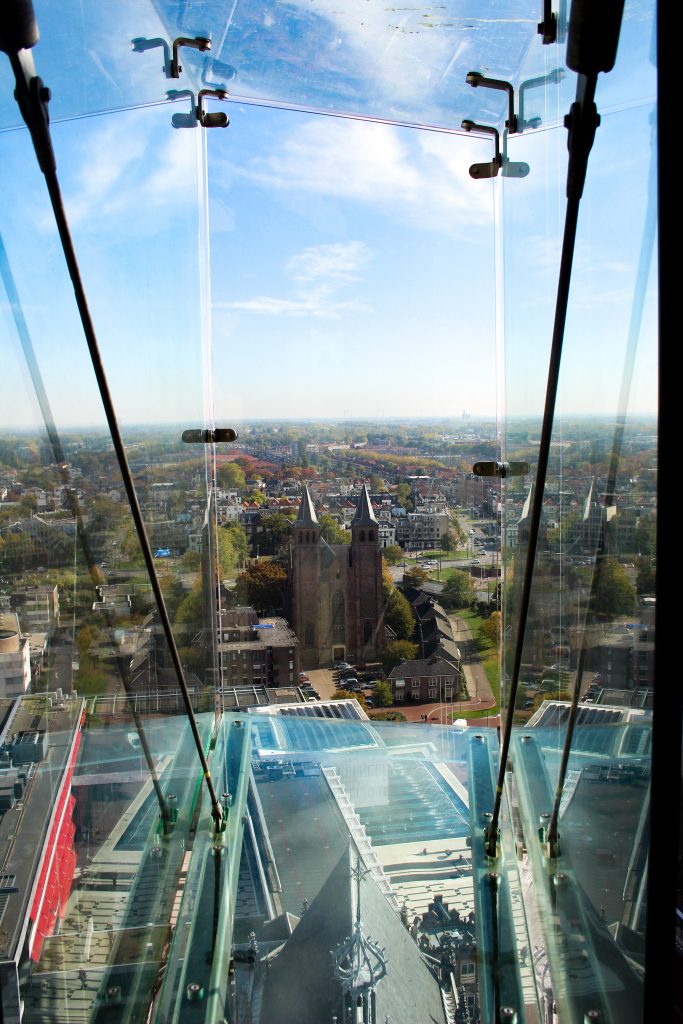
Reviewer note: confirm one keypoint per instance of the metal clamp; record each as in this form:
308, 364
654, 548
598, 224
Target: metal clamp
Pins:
172, 67
501, 470
200, 43
215, 436
500, 162
197, 113
477, 80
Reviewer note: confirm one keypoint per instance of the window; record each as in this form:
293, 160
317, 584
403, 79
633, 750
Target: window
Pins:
338, 617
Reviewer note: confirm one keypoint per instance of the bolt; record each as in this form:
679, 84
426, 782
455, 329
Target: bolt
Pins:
194, 991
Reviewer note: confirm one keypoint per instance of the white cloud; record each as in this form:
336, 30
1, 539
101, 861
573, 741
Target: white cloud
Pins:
419, 178
319, 306
338, 262
127, 168
319, 273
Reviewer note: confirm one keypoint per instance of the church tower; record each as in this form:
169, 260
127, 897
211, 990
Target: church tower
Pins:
335, 590
305, 579
366, 600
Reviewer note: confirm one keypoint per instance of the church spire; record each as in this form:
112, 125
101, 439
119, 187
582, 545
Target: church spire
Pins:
364, 516
306, 515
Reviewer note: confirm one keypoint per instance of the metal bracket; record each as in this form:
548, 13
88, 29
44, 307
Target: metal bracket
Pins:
216, 436
501, 469
500, 162
552, 78
197, 112
477, 80
485, 170
171, 68
219, 119
200, 43
548, 27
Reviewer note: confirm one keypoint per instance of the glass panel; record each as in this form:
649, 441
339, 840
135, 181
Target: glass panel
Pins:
591, 616
403, 65
332, 577
95, 746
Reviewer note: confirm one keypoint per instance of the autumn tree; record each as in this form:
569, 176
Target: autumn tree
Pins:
349, 695
491, 627
261, 585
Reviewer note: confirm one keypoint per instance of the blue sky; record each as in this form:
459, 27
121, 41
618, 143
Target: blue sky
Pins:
355, 269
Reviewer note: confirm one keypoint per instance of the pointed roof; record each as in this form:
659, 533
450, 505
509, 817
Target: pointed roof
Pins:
301, 986
306, 515
364, 515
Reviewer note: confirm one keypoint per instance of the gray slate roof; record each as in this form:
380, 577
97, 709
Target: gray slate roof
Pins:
301, 987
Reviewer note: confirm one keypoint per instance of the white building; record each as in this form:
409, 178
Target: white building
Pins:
15, 658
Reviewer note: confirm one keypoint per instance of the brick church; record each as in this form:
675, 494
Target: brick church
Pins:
335, 590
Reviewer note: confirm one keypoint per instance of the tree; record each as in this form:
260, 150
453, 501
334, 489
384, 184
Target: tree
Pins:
233, 548
382, 695
189, 613
261, 586
238, 539
398, 614
456, 536
647, 575
231, 477
403, 499
646, 534
615, 593
415, 577
396, 651
275, 533
331, 531
491, 627
393, 554
349, 695
458, 591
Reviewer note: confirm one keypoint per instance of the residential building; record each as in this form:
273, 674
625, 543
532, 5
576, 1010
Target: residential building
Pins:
37, 608
15, 657
425, 680
255, 651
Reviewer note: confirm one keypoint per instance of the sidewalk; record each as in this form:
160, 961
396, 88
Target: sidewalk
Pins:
478, 686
